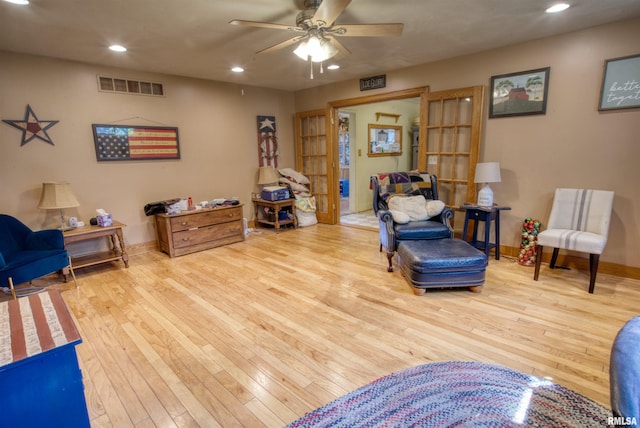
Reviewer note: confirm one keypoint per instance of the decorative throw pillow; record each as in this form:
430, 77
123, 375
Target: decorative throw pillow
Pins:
413, 208
400, 217
294, 175
434, 207
295, 186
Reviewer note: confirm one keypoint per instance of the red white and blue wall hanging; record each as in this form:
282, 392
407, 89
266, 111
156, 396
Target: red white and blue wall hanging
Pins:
267, 141
32, 127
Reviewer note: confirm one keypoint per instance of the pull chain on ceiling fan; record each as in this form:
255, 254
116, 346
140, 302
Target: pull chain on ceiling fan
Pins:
318, 29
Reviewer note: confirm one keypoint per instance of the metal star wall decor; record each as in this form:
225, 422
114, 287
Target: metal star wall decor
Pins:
32, 127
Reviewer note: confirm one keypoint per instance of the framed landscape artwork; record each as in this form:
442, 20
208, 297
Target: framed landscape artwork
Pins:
519, 94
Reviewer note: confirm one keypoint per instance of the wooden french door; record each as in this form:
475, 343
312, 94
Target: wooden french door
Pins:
452, 142
315, 158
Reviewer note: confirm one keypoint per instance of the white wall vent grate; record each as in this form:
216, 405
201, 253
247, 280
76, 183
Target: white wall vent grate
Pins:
126, 86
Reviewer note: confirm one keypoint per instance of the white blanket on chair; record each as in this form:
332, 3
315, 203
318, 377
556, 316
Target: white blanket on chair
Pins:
413, 208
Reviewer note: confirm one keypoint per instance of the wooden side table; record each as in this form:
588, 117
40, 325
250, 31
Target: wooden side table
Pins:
487, 215
288, 205
117, 249
41, 382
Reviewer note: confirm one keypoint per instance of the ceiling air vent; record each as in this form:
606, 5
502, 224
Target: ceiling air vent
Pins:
126, 86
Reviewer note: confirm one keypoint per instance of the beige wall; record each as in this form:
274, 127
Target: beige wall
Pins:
217, 130
573, 145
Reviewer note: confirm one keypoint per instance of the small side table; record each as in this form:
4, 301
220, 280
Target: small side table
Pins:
275, 206
487, 215
117, 251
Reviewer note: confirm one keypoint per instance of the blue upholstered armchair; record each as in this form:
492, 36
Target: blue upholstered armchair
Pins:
26, 255
392, 232
624, 371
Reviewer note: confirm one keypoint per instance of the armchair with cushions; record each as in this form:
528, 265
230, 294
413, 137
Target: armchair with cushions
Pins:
407, 206
26, 255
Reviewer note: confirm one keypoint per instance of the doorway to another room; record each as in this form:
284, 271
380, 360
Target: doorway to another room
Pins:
350, 215
344, 159
358, 160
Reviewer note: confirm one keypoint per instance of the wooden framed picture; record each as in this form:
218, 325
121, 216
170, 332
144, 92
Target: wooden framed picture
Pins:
128, 142
519, 94
620, 83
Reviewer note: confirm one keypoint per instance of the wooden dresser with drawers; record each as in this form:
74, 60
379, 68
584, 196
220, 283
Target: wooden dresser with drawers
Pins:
199, 230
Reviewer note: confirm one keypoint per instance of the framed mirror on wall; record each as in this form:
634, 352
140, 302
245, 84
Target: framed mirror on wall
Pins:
385, 140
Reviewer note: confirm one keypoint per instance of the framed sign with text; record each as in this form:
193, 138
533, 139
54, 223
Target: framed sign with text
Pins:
375, 82
620, 83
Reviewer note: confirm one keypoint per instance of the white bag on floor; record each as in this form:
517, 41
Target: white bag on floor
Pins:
306, 218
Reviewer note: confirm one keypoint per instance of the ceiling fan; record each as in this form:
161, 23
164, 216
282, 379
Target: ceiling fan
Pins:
317, 31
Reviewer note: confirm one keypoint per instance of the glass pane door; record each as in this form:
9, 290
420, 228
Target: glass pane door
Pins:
452, 143
314, 152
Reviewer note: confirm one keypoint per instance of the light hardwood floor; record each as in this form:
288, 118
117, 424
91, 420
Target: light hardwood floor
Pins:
260, 332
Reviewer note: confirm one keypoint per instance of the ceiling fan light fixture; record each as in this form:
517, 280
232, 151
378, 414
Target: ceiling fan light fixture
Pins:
301, 51
318, 49
329, 49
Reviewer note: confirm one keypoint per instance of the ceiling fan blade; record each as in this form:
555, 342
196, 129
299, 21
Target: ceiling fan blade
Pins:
281, 45
329, 10
368, 30
342, 49
264, 25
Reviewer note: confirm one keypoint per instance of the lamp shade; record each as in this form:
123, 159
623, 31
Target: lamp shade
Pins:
57, 195
268, 175
487, 172
316, 48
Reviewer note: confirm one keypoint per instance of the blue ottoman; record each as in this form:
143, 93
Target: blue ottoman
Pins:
440, 263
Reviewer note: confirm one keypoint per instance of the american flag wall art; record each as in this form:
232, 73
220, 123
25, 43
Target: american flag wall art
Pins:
126, 142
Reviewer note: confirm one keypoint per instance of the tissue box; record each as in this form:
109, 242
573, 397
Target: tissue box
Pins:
275, 193
104, 220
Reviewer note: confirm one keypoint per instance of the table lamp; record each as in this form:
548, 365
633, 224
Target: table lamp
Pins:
487, 172
268, 175
58, 196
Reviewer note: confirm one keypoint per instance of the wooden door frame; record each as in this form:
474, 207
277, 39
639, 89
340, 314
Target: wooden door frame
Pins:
332, 112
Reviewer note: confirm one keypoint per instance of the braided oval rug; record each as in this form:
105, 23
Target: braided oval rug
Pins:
459, 394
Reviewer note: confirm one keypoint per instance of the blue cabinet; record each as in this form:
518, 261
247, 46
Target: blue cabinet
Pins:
40, 380
344, 188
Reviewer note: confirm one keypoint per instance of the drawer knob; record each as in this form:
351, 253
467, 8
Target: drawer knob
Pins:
184, 223
186, 239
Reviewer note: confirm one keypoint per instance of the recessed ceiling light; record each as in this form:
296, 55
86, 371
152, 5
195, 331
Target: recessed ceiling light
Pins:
333, 67
20, 2
237, 69
558, 8
118, 48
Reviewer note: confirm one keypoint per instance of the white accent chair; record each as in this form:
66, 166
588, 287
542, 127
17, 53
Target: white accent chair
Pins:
579, 221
